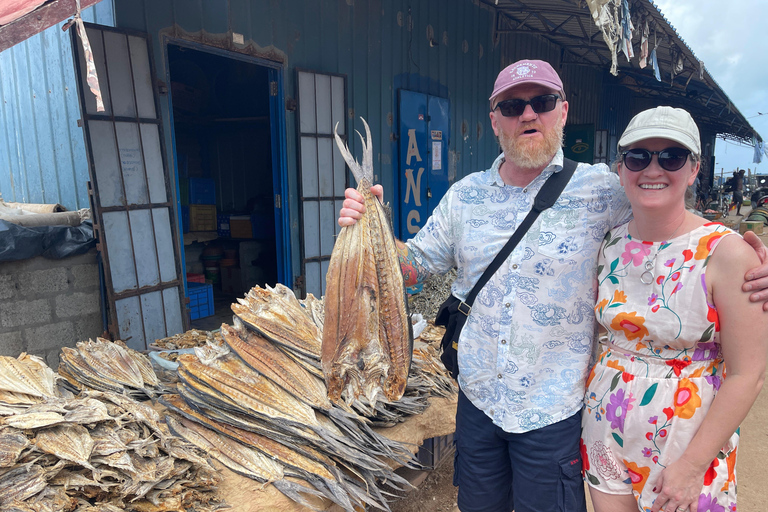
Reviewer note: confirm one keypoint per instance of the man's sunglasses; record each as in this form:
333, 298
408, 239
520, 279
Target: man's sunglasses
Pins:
539, 104
670, 159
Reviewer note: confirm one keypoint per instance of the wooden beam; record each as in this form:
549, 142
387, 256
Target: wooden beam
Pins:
38, 20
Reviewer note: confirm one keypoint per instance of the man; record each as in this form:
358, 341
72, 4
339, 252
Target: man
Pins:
738, 190
525, 350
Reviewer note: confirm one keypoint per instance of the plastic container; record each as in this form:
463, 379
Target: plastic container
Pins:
240, 226
228, 262
213, 274
202, 191
200, 300
222, 225
202, 217
195, 278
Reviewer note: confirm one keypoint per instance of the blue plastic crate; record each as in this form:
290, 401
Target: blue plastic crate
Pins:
200, 300
202, 191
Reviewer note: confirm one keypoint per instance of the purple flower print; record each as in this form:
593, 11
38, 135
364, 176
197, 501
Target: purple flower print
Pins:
652, 299
732, 507
647, 452
715, 381
616, 410
677, 288
707, 503
635, 252
669, 263
705, 351
653, 419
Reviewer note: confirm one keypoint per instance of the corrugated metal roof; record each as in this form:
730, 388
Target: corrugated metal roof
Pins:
568, 23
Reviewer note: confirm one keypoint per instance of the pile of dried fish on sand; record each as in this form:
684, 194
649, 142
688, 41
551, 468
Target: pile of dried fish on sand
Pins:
258, 403
367, 337
106, 366
98, 452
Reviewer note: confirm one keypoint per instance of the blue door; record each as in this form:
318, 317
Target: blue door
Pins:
424, 135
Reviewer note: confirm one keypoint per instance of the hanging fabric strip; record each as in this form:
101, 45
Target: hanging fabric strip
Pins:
644, 42
759, 149
701, 69
626, 30
654, 60
92, 79
606, 17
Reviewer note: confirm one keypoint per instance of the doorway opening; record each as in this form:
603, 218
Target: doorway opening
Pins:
223, 143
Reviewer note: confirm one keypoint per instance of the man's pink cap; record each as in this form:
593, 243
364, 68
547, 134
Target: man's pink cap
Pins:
527, 72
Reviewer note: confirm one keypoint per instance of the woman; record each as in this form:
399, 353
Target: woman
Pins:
660, 427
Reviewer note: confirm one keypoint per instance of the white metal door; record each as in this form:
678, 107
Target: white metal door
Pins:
131, 197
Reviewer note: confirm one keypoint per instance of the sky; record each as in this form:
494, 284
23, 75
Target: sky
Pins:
731, 37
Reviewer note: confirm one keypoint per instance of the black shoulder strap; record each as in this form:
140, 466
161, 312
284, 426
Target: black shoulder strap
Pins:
546, 197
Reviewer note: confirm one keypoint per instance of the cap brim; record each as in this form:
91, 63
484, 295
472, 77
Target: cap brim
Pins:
553, 87
653, 132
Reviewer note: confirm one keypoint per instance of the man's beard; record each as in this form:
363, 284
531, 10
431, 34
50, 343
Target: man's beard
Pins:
530, 153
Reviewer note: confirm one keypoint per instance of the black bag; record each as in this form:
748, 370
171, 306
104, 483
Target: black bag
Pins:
451, 315
454, 312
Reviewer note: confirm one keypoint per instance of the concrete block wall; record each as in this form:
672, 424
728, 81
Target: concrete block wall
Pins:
47, 304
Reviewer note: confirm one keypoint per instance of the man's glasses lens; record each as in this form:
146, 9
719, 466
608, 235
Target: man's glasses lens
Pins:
539, 104
670, 159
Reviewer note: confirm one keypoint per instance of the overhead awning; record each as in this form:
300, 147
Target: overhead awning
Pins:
22, 19
570, 25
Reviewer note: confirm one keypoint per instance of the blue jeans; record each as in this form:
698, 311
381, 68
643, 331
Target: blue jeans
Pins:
536, 471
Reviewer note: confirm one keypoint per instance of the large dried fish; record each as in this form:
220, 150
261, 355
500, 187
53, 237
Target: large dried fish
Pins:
27, 375
11, 446
367, 336
277, 314
110, 360
68, 442
22, 482
266, 358
148, 374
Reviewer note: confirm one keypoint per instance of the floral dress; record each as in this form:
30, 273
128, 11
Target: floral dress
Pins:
648, 395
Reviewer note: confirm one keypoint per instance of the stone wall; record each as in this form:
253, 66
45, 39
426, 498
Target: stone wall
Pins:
47, 304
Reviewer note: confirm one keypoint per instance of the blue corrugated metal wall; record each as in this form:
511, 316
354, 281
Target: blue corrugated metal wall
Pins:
380, 45
42, 156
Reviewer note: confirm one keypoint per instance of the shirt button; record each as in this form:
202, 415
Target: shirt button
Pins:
500, 376
514, 266
507, 304
503, 342
525, 190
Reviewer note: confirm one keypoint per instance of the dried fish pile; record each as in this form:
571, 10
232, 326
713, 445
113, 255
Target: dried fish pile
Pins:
367, 337
190, 339
434, 291
100, 452
25, 381
106, 366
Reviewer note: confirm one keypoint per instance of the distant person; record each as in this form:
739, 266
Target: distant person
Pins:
738, 190
661, 418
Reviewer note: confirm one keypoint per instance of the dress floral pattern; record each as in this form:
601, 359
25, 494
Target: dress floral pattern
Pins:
648, 394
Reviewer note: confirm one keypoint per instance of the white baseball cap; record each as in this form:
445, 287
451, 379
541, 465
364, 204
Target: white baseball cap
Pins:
664, 123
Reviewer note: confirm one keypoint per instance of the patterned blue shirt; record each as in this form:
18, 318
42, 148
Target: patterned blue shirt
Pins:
526, 348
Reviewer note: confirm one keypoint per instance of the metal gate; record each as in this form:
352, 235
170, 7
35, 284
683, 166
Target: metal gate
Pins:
322, 103
133, 213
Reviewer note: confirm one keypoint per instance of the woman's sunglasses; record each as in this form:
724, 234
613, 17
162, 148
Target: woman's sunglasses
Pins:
670, 159
539, 104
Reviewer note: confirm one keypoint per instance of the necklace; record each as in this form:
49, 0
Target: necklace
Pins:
647, 276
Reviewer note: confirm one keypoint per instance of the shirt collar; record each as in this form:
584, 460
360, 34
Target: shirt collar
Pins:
555, 165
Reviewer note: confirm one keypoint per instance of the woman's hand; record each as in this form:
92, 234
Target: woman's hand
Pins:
354, 207
679, 486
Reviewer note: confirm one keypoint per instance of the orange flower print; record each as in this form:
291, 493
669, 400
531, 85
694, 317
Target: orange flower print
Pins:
626, 377
687, 399
619, 296
638, 475
731, 461
591, 376
706, 244
600, 306
632, 325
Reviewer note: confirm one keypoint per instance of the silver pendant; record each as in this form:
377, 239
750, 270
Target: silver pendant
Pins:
649, 265
647, 276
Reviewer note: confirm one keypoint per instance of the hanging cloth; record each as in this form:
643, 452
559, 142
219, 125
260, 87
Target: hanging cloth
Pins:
92, 78
606, 17
759, 150
644, 32
654, 60
626, 30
